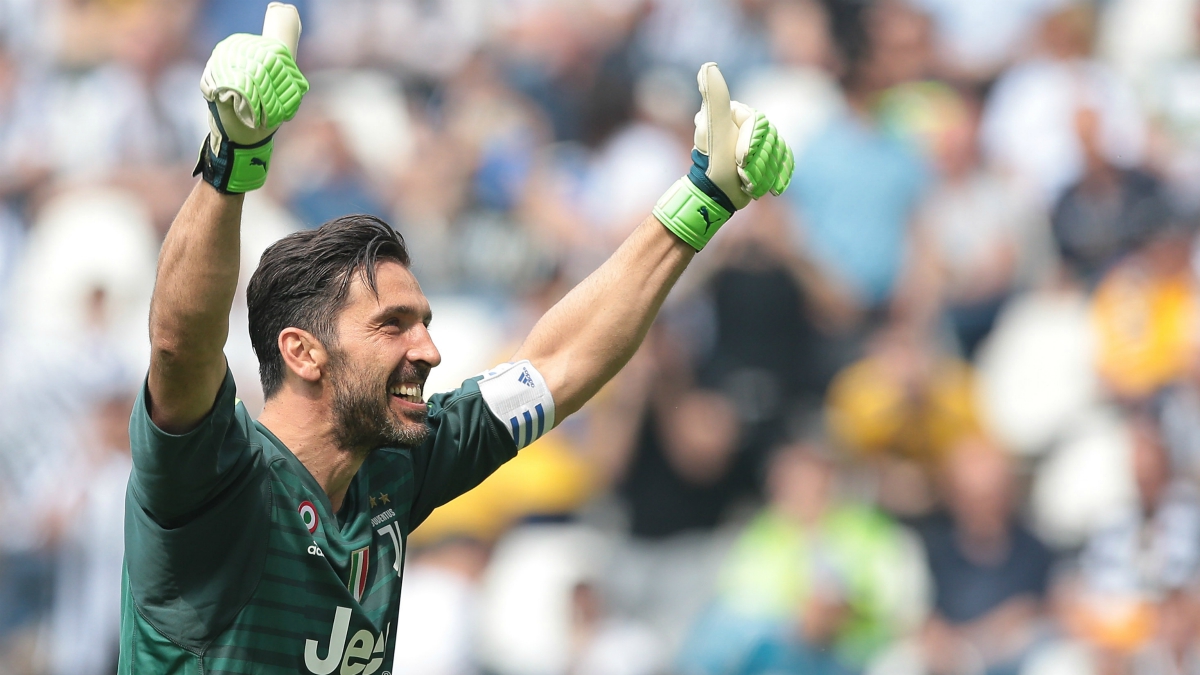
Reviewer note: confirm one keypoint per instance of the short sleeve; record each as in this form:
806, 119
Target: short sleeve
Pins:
175, 475
475, 429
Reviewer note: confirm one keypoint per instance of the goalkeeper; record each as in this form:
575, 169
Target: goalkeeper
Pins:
276, 545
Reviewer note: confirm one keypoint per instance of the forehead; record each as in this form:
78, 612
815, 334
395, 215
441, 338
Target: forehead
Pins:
396, 287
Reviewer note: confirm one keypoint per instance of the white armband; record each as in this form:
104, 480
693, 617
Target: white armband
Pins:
517, 395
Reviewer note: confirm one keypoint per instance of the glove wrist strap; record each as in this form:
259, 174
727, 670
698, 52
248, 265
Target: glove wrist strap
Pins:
690, 213
235, 168
699, 176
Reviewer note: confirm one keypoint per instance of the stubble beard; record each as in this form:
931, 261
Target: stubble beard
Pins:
363, 417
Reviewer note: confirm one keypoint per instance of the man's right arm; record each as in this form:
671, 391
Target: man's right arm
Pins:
252, 85
189, 312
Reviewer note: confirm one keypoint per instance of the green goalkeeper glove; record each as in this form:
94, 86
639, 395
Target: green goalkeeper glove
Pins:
252, 85
738, 157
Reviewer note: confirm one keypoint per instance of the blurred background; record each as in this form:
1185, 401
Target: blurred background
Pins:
936, 410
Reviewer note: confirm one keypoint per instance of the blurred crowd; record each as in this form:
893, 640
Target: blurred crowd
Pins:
934, 411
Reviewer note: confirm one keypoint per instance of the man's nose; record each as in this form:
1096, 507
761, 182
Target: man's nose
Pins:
423, 349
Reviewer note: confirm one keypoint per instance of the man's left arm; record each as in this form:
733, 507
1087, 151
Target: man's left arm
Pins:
593, 332
585, 339
573, 350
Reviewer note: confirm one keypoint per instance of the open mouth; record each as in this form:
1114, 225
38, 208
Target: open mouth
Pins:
410, 392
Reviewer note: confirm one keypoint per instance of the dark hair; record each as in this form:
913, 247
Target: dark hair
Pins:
302, 281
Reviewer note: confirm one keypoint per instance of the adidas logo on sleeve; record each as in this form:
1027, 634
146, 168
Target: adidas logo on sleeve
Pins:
525, 378
517, 395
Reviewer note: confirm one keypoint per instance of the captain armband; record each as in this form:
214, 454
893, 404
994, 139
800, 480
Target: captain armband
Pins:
517, 394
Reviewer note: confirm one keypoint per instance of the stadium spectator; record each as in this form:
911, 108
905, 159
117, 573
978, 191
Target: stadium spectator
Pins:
1130, 605
86, 515
903, 399
1152, 550
857, 187
766, 345
1145, 313
977, 40
990, 573
981, 231
1108, 213
1029, 123
814, 583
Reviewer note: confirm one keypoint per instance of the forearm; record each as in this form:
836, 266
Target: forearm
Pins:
592, 333
189, 312
585, 339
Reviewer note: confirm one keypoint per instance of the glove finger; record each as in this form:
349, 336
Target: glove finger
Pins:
239, 104
765, 161
282, 22
777, 157
783, 163
758, 163
740, 112
743, 117
719, 130
785, 173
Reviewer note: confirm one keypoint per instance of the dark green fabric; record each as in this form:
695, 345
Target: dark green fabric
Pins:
222, 575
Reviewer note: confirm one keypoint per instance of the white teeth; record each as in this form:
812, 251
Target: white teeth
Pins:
409, 392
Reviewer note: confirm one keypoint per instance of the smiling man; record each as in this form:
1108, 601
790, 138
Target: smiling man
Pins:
277, 544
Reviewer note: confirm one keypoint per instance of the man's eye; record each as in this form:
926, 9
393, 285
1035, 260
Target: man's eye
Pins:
392, 323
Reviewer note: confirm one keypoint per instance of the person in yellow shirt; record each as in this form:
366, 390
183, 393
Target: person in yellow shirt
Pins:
902, 399
1144, 313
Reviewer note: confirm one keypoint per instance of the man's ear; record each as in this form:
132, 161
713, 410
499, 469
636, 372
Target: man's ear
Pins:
303, 353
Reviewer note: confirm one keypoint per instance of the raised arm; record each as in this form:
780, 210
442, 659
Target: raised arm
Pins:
189, 312
585, 339
591, 333
252, 85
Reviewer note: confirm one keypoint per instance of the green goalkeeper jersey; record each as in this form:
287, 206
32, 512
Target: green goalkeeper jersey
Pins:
236, 563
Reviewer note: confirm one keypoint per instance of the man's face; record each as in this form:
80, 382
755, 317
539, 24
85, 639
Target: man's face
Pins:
378, 367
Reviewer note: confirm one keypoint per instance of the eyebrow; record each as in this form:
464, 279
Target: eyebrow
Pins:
409, 310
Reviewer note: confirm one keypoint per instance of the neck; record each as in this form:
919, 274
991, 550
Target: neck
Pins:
293, 420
